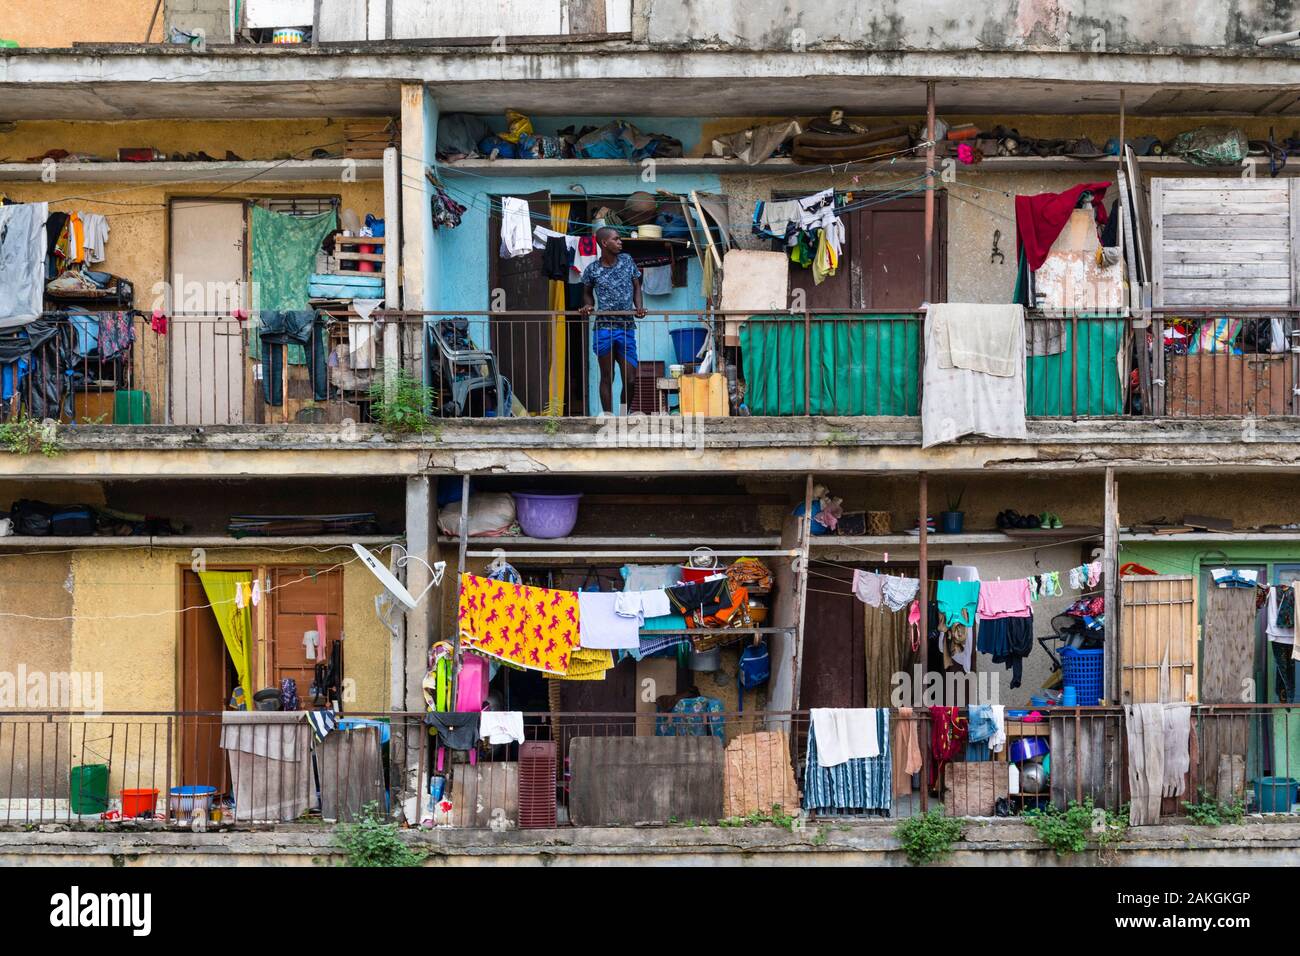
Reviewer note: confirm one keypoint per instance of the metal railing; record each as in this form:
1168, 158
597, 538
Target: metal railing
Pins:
128, 368
610, 769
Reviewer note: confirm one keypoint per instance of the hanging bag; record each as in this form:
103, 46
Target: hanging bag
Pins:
754, 670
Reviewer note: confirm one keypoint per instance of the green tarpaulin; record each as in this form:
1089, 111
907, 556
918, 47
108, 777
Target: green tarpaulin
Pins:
859, 365
1048, 382
284, 257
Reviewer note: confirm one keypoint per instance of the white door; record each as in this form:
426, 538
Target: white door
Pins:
208, 283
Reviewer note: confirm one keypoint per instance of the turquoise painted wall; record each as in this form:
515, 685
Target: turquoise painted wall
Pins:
457, 266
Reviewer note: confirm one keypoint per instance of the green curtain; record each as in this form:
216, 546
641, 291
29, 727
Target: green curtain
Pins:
1047, 385
284, 258
235, 622
859, 365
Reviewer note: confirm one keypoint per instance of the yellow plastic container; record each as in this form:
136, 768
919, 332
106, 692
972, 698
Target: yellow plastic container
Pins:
705, 395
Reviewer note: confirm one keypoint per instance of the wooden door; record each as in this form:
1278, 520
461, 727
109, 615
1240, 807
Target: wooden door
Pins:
206, 681
522, 342
833, 671
208, 282
298, 596
882, 263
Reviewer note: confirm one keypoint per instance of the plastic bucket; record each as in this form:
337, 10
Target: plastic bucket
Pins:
88, 788
546, 516
687, 343
184, 800
1275, 794
139, 803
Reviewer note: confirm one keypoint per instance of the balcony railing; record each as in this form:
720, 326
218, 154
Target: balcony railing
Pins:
127, 368
594, 769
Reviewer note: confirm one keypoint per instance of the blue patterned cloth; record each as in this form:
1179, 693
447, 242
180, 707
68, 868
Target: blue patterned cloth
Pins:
613, 288
862, 783
695, 725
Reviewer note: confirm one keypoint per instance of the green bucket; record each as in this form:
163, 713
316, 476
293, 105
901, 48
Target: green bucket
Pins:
132, 408
1275, 794
88, 788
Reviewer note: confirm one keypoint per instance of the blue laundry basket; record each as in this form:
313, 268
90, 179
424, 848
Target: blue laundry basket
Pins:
1085, 672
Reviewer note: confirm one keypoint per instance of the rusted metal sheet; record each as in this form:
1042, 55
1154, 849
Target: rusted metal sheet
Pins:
973, 789
1221, 385
625, 781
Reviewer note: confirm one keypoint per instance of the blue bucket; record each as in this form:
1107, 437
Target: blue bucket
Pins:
1275, 794
687, 343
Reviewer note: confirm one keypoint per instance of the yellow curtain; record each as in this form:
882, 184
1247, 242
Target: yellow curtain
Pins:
235, 622
555, 403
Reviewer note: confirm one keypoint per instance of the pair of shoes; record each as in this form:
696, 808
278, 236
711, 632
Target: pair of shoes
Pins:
1010, 519
1049, 520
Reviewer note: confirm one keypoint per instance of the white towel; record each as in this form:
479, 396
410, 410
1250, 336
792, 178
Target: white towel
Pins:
844, 734
642, 604
501, 726
981, 338
957, 401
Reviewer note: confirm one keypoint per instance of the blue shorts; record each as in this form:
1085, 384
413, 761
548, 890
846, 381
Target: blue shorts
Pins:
624, 339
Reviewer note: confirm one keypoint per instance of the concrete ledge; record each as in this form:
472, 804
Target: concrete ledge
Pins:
987, 843
658, 446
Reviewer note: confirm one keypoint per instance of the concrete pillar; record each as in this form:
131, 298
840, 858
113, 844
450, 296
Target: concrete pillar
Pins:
1110, 583
419, 130
392, 265
421, 543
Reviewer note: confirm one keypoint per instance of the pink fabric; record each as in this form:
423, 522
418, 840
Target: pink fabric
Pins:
999, 599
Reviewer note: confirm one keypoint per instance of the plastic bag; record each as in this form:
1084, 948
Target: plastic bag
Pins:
1211, 146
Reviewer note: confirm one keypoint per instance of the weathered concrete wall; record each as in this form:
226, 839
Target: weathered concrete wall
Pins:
1089, 25
60, 23
985, 843
210, 16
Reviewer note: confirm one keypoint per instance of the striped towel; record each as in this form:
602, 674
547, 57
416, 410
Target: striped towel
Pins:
322, 723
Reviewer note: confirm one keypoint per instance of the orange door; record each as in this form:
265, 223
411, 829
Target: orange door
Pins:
298, 595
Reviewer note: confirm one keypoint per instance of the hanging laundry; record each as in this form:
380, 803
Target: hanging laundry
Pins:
95, 235
501, 726
845, 733
586, 663
898, 592
999, 599
777, 219
585, 253
957, 601
642, 604
516, 228
948, 730
961, 401
22, 262
446, 211
1008, 640
530, 627
601, 626
645, 577
867, 587
860, 783
1041, 217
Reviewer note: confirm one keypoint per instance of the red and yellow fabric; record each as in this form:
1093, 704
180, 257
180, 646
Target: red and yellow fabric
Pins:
532, 628
587, 663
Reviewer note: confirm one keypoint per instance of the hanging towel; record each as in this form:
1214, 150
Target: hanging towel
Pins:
501, 726
602, 627
1041, 217
845, 734
642, 604
981, 338
533, 628
958, 401
322, 723
906, 745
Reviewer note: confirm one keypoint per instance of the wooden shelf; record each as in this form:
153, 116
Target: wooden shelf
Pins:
1216, 537
713, 164
944, 540
294, 170
190, 541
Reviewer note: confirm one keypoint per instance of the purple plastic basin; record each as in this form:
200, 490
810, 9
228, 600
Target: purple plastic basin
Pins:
546, 516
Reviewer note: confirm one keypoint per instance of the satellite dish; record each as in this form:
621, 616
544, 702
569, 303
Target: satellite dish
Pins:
390, 583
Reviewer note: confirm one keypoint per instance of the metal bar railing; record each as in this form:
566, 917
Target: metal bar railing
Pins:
207, 768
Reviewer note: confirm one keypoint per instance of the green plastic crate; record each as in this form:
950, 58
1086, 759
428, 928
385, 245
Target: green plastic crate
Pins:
132, 408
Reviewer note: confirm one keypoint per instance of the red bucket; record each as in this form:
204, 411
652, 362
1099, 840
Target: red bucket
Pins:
692, 575
138, 803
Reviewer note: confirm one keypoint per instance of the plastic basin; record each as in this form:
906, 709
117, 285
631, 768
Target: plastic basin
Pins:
546, 516
687, 343
139, 803
1275, 794
185, 800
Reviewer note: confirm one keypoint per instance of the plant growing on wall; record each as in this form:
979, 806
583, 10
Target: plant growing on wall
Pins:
24, 435
402, 406
1068, 831
929, 837
1208, 812
372, 842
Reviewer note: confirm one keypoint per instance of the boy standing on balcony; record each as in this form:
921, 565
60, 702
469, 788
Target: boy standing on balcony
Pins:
615, 281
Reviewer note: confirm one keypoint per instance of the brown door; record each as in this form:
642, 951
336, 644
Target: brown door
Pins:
298, 595
206, 680
882, 263
522, 342
833, 670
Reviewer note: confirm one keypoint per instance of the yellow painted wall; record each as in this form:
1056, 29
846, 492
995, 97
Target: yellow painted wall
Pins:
138, 216
137, 654
60, 23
